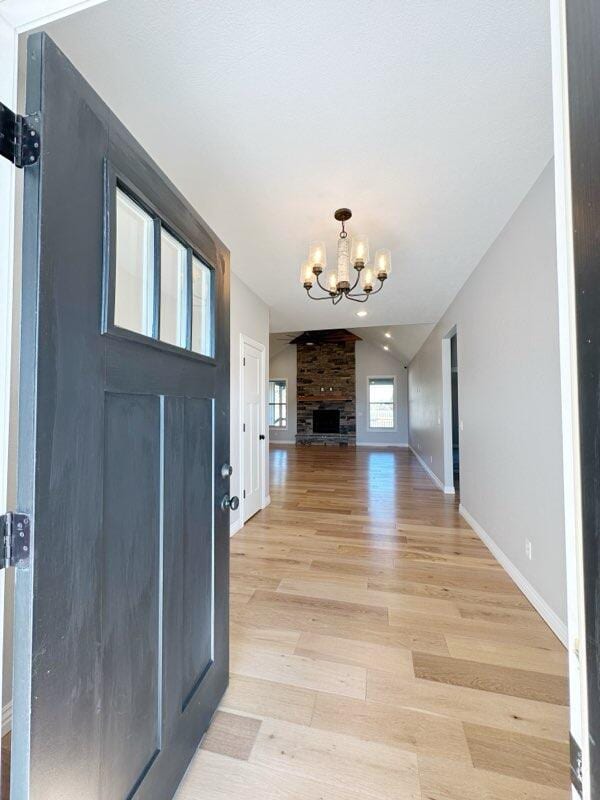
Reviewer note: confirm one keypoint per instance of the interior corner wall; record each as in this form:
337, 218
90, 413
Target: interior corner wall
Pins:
285, 367
511, 478
372, 362
249, 315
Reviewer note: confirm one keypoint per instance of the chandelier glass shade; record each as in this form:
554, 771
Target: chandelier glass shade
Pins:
353, 275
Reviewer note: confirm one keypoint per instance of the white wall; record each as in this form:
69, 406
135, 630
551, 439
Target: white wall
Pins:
284, 366
370, 362
249, 316
506, 317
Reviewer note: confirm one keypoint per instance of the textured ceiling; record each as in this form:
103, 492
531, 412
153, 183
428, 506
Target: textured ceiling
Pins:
431, 120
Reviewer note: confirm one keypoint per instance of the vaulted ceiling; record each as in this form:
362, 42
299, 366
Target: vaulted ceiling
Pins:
431, 120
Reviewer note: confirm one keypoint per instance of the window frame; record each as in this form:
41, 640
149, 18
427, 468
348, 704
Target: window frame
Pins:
287, 404
391, 378
114, 180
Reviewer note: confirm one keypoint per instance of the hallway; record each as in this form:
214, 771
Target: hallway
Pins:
378, 650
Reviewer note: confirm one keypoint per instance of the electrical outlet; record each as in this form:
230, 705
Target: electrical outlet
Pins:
528, 548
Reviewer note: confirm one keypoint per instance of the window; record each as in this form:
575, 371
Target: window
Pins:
381, 403
278, 404
160, 289
134, 270
202, 325
173, 285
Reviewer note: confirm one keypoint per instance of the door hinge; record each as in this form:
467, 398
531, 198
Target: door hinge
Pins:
576, 766
244, 364
19, 137
14, 530
243, 427
244, 494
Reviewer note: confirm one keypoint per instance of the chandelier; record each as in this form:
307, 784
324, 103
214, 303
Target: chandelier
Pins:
353, 252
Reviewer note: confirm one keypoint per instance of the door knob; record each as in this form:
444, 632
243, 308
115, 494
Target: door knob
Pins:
261, 436
230, 503
226, 470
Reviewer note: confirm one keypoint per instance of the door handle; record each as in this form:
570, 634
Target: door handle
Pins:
226, 471
261, 436
230, 503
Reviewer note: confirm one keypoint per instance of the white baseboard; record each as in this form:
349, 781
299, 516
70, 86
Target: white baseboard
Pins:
235, 527
7, 718
266, 501
381, 444
554, 622
431, 473
282, 441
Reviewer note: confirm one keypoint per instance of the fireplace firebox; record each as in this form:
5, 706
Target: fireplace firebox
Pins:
326, 420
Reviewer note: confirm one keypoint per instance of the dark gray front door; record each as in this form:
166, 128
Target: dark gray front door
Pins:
122, 612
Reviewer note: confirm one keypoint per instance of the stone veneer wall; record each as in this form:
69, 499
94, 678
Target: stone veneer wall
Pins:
327, 365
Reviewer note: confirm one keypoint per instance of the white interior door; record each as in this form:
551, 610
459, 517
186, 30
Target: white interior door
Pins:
252, 428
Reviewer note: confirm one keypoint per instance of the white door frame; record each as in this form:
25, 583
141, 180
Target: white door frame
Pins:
447, 411
263, 415
569, 389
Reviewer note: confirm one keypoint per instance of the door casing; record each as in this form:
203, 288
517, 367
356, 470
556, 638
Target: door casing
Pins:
265, 444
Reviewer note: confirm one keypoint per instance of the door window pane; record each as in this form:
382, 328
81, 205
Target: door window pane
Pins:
381, 403
202, 316
173, 284
134, 271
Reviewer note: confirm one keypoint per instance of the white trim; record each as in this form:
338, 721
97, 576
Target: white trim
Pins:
247, 340
8, 307
431, 473
555, 623
382, 444
391, 378
235, 526
569, 390
7, 718
273, 440
24, 15
266, 501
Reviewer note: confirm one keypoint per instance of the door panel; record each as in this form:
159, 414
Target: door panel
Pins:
197, 564
122, 653
131, 664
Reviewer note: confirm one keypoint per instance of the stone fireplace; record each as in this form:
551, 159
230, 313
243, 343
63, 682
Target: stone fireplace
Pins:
326, 386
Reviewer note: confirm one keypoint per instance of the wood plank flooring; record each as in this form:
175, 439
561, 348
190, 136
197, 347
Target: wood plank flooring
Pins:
378, 651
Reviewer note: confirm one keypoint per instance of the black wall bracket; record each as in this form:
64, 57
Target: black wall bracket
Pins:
14, 539
19, 137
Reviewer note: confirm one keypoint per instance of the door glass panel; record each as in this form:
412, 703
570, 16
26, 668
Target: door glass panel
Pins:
134, 272
202, 314
173, 271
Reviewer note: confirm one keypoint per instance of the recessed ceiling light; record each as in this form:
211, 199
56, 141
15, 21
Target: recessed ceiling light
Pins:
387, 335
385, 347
361, 313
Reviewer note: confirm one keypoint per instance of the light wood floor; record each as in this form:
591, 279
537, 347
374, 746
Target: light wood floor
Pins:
378, 650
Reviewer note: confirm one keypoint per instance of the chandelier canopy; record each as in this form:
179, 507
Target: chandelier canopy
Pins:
351, 252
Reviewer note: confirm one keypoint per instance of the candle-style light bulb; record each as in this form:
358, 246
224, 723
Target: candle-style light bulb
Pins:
360, 250
307, 276
317, 256
383, 263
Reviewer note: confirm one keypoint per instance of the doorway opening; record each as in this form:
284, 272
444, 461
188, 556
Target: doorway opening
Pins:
455, 415
450, 417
